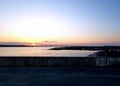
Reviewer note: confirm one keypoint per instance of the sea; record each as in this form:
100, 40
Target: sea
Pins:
42, 51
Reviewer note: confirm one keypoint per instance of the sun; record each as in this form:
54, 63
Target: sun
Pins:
37, 28
33, 44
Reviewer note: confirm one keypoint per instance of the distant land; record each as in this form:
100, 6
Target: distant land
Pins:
65, 47
104, 51
14, 46
87, 48
21, 45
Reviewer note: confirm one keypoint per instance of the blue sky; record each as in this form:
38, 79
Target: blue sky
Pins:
64, 21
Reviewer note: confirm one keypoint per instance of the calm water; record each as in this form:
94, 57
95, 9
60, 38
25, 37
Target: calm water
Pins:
41, 51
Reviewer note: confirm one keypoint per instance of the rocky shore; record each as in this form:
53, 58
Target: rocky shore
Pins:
97, 54
107, 53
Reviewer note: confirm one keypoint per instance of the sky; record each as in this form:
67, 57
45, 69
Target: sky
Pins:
60, 21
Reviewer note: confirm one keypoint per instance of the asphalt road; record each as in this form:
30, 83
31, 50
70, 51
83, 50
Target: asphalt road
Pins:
52, 76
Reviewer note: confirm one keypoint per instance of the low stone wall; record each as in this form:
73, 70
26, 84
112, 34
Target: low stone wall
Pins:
48, 61
58, 61
107, 61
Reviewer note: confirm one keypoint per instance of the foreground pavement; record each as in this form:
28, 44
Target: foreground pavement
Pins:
52, 76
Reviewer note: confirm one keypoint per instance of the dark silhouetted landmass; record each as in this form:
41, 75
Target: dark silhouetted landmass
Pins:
106, 51
87, 48
5, 45
14, 46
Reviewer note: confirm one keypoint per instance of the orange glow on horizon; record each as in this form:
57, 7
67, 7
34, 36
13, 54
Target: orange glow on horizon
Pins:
63, 40
33, 44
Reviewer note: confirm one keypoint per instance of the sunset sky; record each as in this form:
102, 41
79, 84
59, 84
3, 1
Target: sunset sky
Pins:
60, 21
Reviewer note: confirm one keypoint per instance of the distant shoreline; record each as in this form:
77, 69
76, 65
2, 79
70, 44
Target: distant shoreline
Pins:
103, 51
86, 48
27, 46
60, 47
14, 46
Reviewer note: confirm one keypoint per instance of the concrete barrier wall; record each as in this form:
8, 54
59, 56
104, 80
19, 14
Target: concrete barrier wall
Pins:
48, 61
106, 61
58, 61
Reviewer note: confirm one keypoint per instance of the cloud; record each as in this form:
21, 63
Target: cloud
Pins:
11, 43
48, 41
